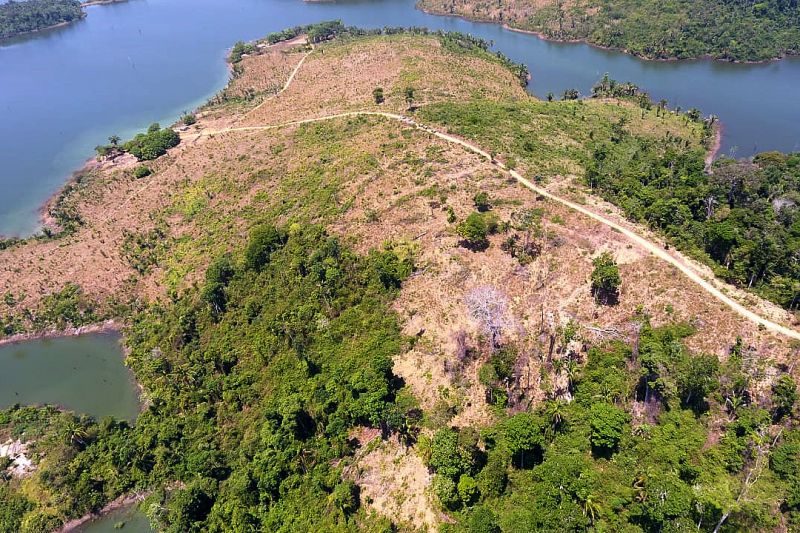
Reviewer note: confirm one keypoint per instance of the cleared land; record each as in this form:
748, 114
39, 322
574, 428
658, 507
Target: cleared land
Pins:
376, 181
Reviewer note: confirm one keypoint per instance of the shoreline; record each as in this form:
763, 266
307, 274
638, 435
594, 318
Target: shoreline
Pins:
546, 38
711, 156
63, 24
41, 30
108, 326
126, 500
90, 3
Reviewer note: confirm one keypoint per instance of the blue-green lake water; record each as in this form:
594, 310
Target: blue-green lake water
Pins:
130, 64
85, 374
128, 520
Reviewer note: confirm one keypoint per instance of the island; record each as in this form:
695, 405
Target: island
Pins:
651, 29
374, 285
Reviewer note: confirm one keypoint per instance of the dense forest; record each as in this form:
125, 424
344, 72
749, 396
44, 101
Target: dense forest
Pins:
742, 217
254, 382
654, 439
32, 15
256, 378
723, 29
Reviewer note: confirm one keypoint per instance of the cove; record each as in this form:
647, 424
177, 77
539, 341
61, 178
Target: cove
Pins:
133, 520
85, 374
129, 64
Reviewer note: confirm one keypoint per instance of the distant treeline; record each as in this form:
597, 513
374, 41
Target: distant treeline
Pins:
655, 29
22, 17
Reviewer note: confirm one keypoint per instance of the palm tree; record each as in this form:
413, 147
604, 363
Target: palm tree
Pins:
572, 372
734, 402
75, 433
114, 140
591, 508
638, 488
555, 414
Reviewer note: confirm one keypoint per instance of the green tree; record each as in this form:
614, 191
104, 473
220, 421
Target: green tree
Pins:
605, 279
474, 231
264, 240
481, 201
449, 457
409, 95
523, 438
482, 520
607, 423
377, 95
468, 490
445, 489
784, 396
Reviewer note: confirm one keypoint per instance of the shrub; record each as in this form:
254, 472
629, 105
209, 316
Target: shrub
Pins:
474, 231
189, 119
141, 171
605, 279
451, 214
153, 144
377, 95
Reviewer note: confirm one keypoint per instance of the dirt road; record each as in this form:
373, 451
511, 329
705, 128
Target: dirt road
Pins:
680, 263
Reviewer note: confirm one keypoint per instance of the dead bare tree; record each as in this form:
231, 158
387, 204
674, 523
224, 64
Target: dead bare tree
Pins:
490, 308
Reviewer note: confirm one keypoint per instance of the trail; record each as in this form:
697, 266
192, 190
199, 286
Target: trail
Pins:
681, 264
288, 81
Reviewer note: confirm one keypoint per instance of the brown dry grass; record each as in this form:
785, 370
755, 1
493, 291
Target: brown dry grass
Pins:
395, 482
376, 181
340, 77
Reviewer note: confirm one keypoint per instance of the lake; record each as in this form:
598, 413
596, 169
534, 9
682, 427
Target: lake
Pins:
85, 374
127, 65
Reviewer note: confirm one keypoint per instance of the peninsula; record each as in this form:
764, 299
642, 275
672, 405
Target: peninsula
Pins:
373, 285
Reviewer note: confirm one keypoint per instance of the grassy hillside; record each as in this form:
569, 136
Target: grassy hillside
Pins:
682, 29
306, 312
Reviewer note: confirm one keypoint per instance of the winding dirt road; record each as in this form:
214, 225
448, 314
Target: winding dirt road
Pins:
656, 249
653, 248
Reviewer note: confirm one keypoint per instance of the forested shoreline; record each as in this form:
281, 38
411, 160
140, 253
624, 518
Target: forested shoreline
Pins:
680, 29
17, 18
742, 217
